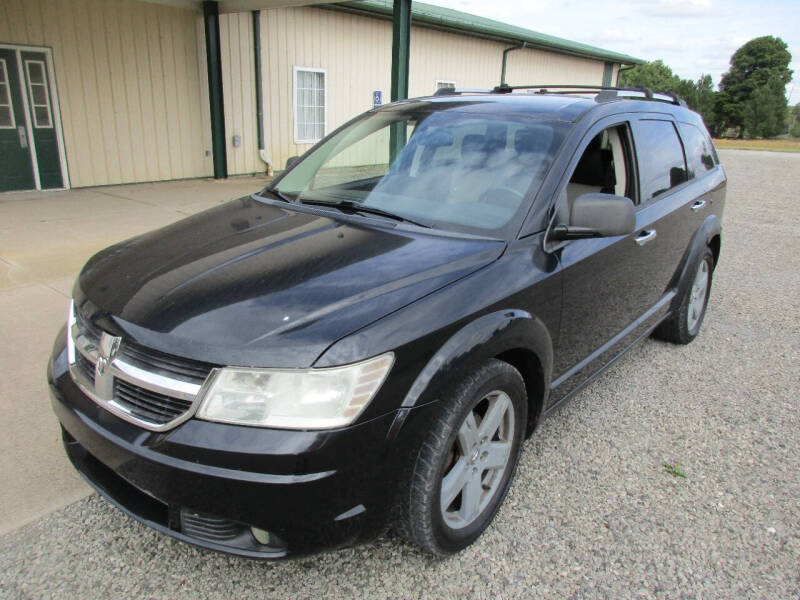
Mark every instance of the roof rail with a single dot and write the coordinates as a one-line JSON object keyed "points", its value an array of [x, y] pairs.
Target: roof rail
{"points": [[605, 93], [448, 91]]}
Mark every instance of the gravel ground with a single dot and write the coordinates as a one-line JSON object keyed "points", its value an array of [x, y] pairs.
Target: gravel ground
{"points": [[592, 512]]}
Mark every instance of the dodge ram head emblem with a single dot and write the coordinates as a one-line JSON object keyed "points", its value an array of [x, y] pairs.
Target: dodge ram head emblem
{"points": [[103, 382], [108, 350]]}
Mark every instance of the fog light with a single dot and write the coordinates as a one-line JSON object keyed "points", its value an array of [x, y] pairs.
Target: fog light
{"points": [[262, 537]]}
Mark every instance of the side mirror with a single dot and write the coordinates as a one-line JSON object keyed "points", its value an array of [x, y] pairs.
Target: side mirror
{"points": [[598, 215], [292, 161]]}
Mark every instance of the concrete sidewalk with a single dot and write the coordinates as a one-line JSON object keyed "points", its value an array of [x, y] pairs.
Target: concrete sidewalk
{"points": [[45, 238]]}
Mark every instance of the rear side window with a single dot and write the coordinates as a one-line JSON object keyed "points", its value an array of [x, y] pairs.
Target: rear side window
{"points": [[661, 159], [699, 151]]}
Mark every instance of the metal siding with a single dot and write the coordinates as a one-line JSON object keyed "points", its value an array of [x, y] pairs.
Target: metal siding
{"points": [[132, 89], [355, 51], [132, 78], [236, 54]]}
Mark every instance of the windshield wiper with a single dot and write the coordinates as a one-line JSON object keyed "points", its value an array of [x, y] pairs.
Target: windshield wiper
{"points": [[358, 207], [279, 194]]}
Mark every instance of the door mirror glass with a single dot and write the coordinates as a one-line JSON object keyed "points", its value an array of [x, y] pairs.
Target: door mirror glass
{"points": [[605, 215]]}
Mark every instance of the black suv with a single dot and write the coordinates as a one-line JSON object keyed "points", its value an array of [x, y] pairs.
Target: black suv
{"points": [[369, 340]]}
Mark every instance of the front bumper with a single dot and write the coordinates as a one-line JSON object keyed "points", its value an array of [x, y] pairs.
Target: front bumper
{"points": [[311, 490]]}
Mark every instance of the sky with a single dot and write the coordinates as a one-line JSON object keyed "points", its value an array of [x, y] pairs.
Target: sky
{"points": [[692, 36]]}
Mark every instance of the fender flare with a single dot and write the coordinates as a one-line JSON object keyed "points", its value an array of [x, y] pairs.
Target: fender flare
{"points": [[711, 227], [482, 339]]}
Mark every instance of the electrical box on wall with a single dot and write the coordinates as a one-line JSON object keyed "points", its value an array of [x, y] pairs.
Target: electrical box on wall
{"points": [[237, 141]]}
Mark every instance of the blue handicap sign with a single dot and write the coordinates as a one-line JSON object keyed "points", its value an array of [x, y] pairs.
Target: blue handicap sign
{"points": [[377, 98]]}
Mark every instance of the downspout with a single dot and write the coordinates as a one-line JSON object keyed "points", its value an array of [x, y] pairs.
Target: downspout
{"points": [[259, 95], [623, 67], [505, 59]]}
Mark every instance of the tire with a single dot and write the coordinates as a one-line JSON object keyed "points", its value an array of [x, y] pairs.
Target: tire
{"points": [[683, 325], [494, 388]]}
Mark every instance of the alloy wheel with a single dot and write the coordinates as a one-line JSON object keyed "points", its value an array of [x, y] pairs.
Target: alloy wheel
{"points": [[478, 460], [697, 296]]}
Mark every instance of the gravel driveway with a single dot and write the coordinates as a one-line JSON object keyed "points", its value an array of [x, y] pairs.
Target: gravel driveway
{"points": [[592, 513]]}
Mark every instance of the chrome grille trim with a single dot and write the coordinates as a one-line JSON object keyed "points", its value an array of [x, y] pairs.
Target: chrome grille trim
{"points": [[165, 364], [101, 389], [147, 405]]}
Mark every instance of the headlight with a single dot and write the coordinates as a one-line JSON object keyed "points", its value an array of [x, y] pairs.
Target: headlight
{"points": [[293, 398]]}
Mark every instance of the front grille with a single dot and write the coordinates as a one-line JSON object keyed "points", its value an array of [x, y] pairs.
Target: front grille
{"points": [[157, 395], [86, 366], [87, 328], [208, 527], [165, 364], [148, 405]]}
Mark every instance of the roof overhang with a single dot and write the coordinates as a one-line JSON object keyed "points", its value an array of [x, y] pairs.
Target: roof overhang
{"points": [[455, 21], [230, 6], [437, 17]]}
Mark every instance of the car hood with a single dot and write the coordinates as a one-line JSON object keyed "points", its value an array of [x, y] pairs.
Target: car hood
{"points": [[253, 283]]}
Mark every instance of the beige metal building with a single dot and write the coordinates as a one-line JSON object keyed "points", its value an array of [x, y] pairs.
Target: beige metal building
{"points": [[96, 92]]}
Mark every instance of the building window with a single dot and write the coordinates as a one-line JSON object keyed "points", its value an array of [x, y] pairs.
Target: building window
{"points": [[6, 108], [37, 90], [442, 84], [310, 104]]}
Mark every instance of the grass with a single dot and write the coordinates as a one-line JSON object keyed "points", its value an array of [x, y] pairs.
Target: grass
{"points": [[676, 470], [785, 145]]}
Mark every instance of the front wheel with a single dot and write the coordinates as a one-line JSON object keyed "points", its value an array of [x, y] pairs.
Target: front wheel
{"points": [[467, 461], [683, 325]]}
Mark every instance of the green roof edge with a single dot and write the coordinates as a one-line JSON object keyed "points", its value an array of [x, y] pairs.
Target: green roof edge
{"points": [[451, 19]]}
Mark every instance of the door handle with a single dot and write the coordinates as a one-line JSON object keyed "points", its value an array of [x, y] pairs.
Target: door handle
{"points": [[23, 137], [645, 236], [698, 205]]}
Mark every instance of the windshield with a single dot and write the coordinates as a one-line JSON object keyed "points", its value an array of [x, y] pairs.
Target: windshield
{"points": [[450, 169]]}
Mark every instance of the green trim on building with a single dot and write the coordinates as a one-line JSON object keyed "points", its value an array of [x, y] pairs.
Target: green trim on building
{"points": [[211, 19], [461, 22], [401, 42], [608, 73], [401, 45]]}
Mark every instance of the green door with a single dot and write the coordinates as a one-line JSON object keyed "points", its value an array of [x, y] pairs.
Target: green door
{"points": [[16, 166], [39, 96]]}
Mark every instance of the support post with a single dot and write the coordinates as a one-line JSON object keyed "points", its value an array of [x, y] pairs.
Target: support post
{"points": [[211, 19], [401, 42]]}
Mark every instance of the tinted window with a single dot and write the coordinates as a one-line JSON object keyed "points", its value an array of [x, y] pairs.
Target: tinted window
{"points": [[603, 167], [698, 150], [454, 169], [660, 156]]}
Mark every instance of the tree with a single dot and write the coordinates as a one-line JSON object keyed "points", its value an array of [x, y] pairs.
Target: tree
{"points": [[704, 104], [659, 77], [654, 75], [759, 68], [763, 112], [794, 121]]}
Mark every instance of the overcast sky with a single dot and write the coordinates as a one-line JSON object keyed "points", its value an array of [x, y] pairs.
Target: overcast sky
{"points": [[691, 36]]}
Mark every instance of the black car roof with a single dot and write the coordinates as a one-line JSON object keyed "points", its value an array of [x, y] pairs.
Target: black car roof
{"points": [[562, 107]]}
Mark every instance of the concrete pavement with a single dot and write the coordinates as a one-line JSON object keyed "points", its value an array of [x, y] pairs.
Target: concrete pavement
{"points": [[45, 238]]}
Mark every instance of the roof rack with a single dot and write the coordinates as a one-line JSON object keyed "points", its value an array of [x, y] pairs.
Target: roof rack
{"points": [[604, 93], [448, 91]]}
